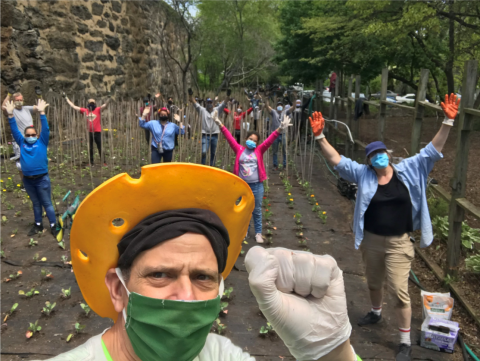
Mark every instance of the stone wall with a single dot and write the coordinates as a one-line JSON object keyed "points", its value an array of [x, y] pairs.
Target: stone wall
{"points": [[88, 48]]}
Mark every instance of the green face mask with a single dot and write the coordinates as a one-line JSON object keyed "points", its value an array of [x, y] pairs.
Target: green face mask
{"points": [[166, 330]]}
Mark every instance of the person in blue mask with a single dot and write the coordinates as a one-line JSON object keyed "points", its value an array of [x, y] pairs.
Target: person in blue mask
{"points": [[160, 275], [249, 164], [391, 203], [34, 162]]}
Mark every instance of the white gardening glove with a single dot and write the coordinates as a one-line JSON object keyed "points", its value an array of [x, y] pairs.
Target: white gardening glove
{"points": [[303, 296], [9, 106], [284, 124], [145, 113], [176, 117], [41, 105], [216, 119]]}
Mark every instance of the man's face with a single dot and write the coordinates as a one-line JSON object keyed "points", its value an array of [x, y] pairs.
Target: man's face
{"points": [[184, 268], [18, 102]]}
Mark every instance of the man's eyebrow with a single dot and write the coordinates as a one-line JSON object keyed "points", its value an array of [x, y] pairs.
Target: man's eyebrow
{"points": [[167, 269]]}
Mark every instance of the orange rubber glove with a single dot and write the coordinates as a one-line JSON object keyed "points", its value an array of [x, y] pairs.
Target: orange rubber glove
{"points": [[450, 108], [317, 123]]}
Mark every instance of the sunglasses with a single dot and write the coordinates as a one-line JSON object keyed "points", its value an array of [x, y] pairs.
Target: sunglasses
{"points": [[30, 135]]}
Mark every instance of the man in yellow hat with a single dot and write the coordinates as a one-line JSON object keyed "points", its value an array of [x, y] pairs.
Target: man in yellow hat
{"points": [[157, 268]]}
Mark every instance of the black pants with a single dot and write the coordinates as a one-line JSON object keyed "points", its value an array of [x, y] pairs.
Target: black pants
{"points": [[167, 155], [147, 135], [97, 137], [237, 136]]}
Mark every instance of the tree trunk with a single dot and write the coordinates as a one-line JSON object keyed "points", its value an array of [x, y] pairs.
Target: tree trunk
{"points": [[451, 53]]}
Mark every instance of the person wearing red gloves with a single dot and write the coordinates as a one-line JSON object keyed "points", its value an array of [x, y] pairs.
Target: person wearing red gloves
{"points": [[391, 203]]}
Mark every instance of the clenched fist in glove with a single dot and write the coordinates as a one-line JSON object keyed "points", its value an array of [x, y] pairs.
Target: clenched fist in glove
{"points": [[318, 123], [285, 123], [450, 108], [303, 296]]}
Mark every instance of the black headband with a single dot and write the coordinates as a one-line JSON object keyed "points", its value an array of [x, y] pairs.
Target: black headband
{"points": [[163, 226]]}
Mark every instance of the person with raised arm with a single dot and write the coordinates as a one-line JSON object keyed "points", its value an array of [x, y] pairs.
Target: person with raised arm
{"points": [[391, 203], [34, 161], [94, 117]]}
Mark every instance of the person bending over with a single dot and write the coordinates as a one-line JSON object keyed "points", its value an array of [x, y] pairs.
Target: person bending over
{"points": [[34, 161], [391, 203], [94, 117], [163, 135]]}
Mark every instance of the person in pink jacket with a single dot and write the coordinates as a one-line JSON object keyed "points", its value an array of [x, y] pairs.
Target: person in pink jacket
{"points": [[249, 165]]}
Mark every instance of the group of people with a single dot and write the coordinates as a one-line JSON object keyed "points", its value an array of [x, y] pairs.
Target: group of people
{"points": [[182, 253]]}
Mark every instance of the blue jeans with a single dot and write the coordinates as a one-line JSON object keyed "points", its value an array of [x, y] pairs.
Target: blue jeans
{"points": [[275, 151], [167, 155], [39, 190], [209, 141], [257, 190]]}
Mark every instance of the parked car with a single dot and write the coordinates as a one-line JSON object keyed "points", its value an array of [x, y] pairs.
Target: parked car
{"points": [[409, 98], [390, 94], [327, 96]]}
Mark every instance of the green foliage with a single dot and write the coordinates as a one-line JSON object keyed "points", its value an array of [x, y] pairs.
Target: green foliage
{"points": [[473, 263], [85, 308], [66, 293], [30, 293], [469, 235], [264, 330], [437, 206], [47, 310], [220, 326], [228, 292], [79, 327]]}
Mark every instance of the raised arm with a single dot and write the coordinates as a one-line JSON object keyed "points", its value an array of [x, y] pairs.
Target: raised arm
{"points": [[70, 103], [106, 104], [45, 133], [8, 108], [450, 109], [267, 104], [318, 123]]}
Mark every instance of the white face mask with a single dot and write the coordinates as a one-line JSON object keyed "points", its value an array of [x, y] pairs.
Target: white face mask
{"points": [[239, 110]]}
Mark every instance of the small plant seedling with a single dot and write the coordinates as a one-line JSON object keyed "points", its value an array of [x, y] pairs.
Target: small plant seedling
{"points": [[69, 337], [61, 244], [322, 216], [269, 240], [228, 292], [223, 307], [316, 208], [85, 308], [269, 224], [79, 327], [242, 252], [47, 310], [18, 214], [4, 220], [302, 242], [220, 326], [35, 258], [269, 232], [30, 293], [264, 330], [297, 216], [13, 276], [67, 293], [32, 329], [46, 274], [32, 243], [2, 253], [9, 313], [299, 234]]}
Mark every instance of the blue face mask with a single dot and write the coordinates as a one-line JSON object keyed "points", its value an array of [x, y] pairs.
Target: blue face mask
{"points": [[279, 108], [380, 160], [31, 140], [251, 144]]}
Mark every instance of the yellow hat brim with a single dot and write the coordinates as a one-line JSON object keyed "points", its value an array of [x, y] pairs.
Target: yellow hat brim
{"points": [[161, 187]]}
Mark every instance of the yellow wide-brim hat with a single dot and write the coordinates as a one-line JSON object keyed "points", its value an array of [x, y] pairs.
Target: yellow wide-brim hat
{"points": [[96, 230]]}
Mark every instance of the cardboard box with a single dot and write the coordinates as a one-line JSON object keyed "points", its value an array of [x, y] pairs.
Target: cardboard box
{"points": [[439, 334]]}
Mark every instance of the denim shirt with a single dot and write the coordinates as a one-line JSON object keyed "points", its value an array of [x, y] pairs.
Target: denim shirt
{"points": [[413, 172], [171, 129]]}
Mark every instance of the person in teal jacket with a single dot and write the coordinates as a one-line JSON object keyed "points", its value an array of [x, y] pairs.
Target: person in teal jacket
{"points": [[34, 162], [391, 203]]}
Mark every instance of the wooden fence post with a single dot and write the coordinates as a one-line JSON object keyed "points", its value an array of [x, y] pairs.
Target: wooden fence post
{"points": [[337, 94], [348, 146], [459, 179], [419, 110], [383, 106], [356, 123]]}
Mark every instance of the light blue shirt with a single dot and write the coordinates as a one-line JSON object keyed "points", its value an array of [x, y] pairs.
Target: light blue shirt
{"points": [[413, 172], [168, 140]]}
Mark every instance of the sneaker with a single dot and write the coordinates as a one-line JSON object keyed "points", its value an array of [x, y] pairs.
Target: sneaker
{"points": [[23, 189], [259, 238], [35, 229], [54, 231], [404, 352], [370, 319]]}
